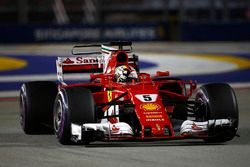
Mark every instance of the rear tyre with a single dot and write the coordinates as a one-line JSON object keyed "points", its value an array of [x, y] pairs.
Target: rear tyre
{"points": [[219, 102], [72, 105], [36, 106]]}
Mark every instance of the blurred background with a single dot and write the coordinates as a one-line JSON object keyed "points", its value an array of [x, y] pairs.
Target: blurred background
{"points": [[200, 40], [28, 21], [215, 32]]}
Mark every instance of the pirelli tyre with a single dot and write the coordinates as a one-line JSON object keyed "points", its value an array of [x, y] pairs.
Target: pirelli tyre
{"points": [[218, 101], [36, 106], [72, 105]]}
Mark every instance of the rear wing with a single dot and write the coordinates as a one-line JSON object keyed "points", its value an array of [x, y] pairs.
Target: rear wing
{"points": [[109, 47], [92, 58], [80, 64]]}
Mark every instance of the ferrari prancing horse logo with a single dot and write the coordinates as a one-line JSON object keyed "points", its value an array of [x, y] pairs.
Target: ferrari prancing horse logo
{"points": [[109, 95]]}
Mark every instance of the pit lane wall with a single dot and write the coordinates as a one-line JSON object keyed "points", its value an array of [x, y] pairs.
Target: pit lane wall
{"points": [[216, 31]]}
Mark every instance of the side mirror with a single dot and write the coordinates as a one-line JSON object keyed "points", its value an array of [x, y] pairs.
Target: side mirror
{"points": [[162, 73]]}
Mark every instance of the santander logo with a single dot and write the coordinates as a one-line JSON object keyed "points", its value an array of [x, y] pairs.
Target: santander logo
{"points": [[68, 61]]}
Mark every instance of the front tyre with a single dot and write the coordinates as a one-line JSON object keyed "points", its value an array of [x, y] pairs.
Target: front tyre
{"points": [[218, 102], [72, 105]]}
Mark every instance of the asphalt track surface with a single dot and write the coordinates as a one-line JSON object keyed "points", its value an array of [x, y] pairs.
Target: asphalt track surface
{"points": [[18, 149]]}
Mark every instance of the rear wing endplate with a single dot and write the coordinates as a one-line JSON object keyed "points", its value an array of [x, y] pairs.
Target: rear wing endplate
{"points": [[80, 64]]}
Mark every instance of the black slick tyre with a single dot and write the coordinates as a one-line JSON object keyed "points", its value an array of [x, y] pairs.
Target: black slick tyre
{"points": [[219, 102], [72, 105], [36, 106]]}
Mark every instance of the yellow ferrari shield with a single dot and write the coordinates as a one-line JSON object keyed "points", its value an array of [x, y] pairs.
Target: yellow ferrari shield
{"points": [[109, 95]]}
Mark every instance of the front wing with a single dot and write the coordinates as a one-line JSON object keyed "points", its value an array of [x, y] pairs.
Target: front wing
{"points": [[123, 131]]}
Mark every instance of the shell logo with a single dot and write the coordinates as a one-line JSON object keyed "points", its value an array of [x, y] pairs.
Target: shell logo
{"points": [[150, 106]]}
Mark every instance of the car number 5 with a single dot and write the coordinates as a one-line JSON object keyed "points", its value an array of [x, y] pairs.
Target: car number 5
{"points": [[147, 98]]}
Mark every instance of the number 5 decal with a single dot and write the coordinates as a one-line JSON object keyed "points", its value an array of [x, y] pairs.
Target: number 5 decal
{"points": [[146, 97]]}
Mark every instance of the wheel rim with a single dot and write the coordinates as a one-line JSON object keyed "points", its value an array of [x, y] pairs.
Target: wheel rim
{"points": [[201, 110], [22, 112], [58, 116]]}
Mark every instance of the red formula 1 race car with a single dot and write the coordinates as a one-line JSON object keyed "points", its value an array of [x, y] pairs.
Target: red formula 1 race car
{"points": [[121, 103]]}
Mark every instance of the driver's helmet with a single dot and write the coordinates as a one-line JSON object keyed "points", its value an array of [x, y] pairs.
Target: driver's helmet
{"points": [[124, 73]]}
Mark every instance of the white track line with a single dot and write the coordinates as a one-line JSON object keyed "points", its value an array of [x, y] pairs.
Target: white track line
{"points": [[9, 94], [42, 77]]}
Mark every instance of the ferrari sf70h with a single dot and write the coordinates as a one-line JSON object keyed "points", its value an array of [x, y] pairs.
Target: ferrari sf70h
{"points": [[118, 102]]}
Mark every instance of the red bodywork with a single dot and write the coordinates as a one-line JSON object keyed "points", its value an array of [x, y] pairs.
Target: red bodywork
{"points": [[152, 114]]}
